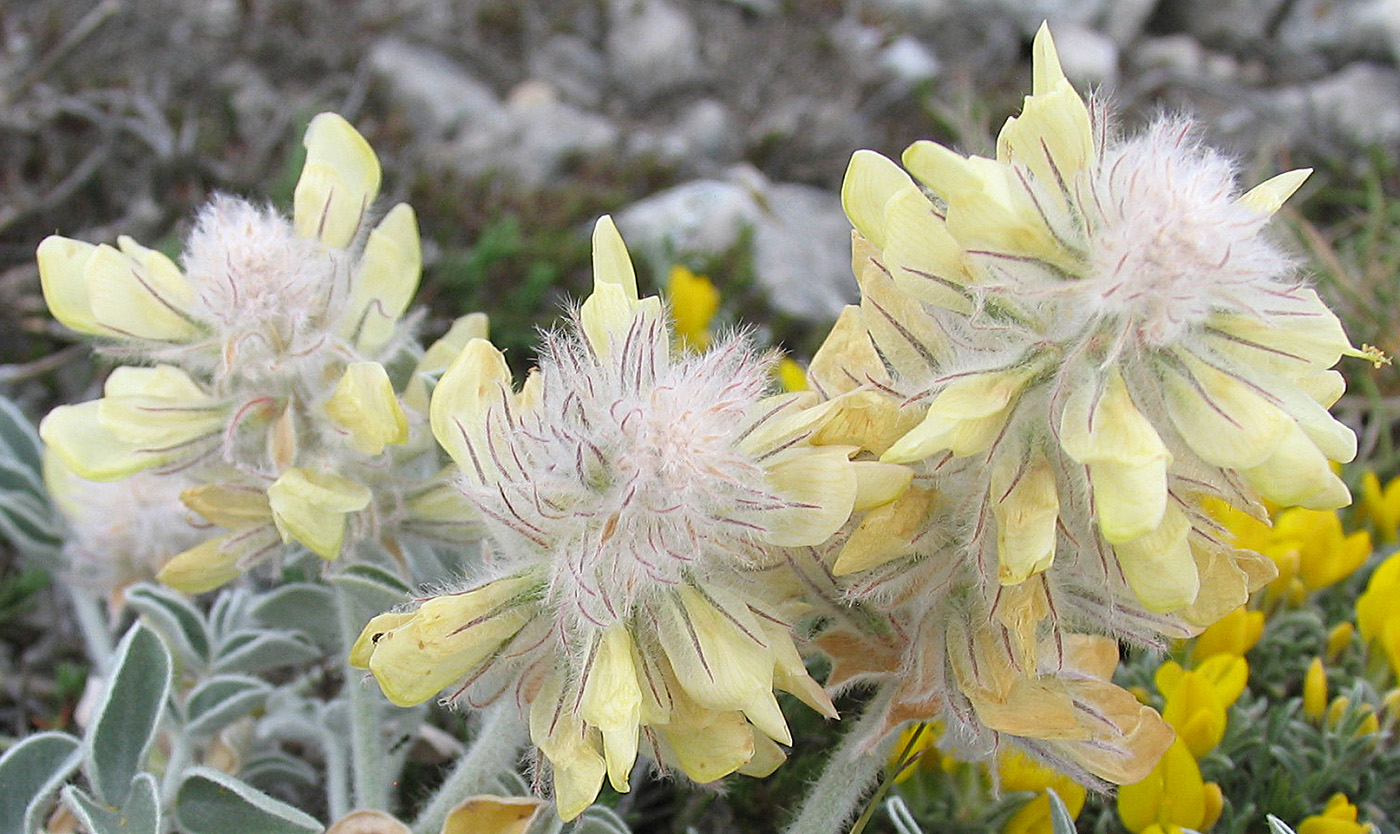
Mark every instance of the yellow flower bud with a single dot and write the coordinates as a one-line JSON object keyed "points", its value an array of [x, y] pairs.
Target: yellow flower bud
{"points": [[1315, 690]]}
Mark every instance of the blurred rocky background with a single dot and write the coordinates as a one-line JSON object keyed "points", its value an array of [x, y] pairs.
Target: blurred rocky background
{"points": [[716, 130]]}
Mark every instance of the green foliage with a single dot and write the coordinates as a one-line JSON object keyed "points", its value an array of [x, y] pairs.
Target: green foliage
{"points": [[210, 802]]}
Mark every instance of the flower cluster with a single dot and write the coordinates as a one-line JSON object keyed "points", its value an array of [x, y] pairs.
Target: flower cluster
{"points": [[1076, 345], [264, 381], [636, 499]]}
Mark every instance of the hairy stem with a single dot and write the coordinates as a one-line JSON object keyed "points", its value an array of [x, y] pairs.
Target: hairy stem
{"points": [[368, 756], [836, 795], [495, 751]]}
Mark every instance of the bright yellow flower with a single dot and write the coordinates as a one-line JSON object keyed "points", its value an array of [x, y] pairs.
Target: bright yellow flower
{"points": [[1315, 690], [1377, 617], [1197, 700], [1381, 506], [1325, 555], [1234, 634], [1338, 639], [1173, 796], [791, 375], [694, 302], [1339, 817], [1018, 772]]}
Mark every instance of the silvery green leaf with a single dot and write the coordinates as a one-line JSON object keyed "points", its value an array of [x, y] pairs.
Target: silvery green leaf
{"points": [[16, 476], [1060, 820], [901, 816], [373, 588], [303, 608], [30, 772], [211, 802], [174, 616], [140, 814], [277, 769], [1278, 826], [222, 699], [229, 613], [124, 723], [29, 524], [256, 651], [599, 819], [19, 441]]}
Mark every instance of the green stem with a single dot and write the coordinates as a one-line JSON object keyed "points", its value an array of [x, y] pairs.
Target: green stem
{"points": [[837, 793], [494, 751], [368, 755]]}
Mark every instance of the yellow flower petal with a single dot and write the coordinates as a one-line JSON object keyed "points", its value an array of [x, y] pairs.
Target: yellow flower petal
{"points": [[847, 359], [964, 418], [384, 285], [1269, 196], [364, 645], [877, 484], [229, 506], [439, 355], [820, 487], [491, 815], [1026, 507], [140, 293], [611, 263], [1159, 566], [364, 405], [63, 278], [76, 435], [923, 258], [337, 184], [720, 659], [1297, 474], [612, 702], [1221, 419], [887, 533], [1126, 457], [215, 562], [447, 637], [870, 181], [467, 403], [311, 507]]}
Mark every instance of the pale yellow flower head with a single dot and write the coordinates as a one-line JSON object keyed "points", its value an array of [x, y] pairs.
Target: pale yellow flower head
{"points": [[267, 383], [630, 491]]}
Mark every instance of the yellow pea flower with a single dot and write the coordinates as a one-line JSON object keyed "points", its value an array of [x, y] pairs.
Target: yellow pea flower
{"points": [[1018, 772], [1381, 506], [1315, 690], [1173, 795], [694, 302], [1325, 554], [1339, 817], [1234, 634]]}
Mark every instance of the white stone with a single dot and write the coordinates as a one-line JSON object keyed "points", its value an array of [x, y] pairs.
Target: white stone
{"points": [[907, 61], [652, 47], [800, 236], [572, 67], [437, 94], [1360, 104], [1088, 57], [1344, 28]]}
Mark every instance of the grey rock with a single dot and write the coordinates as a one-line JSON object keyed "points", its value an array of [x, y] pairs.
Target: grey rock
{"points": [[802, 252], [800, 236], [1223, 22], [1123, 20], [703, 136], [907, 61], [571, 66], [436, 93], [1088, 57], [1358, 106], [1183, 57], [653, 47], [1342, 29], [533, 141]]}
